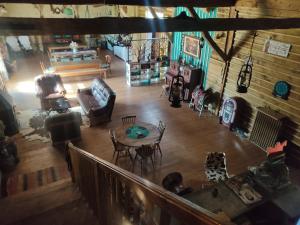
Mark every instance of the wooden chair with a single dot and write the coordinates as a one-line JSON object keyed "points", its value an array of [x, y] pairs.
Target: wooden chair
{"points": [[120, 149], [128, 120], [143, 153], [107, 63], [43, 67], [161, 128], [165, 89], [215, 166]]}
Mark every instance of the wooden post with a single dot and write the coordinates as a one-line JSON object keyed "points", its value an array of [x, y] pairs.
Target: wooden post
{"points": [[165, 218], [228, 49]]}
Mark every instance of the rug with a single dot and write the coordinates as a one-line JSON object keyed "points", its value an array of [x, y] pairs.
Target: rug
{"points": [[32, 122], [24, 182], [32, 125]]}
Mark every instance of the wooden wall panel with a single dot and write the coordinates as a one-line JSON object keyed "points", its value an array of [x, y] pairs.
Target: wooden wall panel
{"points": [[267, 68]]}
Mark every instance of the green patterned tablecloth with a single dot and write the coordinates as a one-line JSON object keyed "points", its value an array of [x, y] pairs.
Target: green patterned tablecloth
{"points": [[137, 132]]}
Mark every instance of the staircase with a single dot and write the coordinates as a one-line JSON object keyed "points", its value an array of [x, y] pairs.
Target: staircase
{"points": [[100, 190], [56, 202], [59, 203]]}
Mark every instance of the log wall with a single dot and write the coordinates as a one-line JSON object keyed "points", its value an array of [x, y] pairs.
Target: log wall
{"points": [[267, 68]]}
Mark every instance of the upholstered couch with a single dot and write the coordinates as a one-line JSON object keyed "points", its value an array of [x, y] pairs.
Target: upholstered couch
{"points": [[64, 127], [49, 87], [97, 101]]}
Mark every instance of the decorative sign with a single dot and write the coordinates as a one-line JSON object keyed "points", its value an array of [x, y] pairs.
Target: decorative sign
{"points": [[277, 48], [282, 89]]}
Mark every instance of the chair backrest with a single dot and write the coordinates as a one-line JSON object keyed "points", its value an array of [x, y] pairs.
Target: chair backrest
{"points": [[117, 145], [128, 119], [108, 59], [145, 151], [42, 67], [161, 128], [215, 166], [49, 84], [113, 138]]}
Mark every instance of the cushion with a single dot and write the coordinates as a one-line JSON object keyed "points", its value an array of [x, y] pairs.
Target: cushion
{"points": [[87, 102]]}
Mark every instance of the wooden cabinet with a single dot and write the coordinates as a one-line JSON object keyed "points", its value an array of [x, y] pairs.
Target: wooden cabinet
{"points": [[144, 73], [192, 77]]}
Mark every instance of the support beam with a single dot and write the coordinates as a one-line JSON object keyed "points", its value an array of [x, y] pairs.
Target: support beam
{"points": [[208, 38], [161, 3], [154, 14], [113, 25], [215, 46]]}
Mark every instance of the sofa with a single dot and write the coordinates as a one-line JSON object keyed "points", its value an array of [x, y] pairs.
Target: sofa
{"points": [[64, 127], [97, 101], [49, 87]]}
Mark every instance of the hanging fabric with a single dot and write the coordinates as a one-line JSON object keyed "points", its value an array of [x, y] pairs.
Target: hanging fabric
{"points": [[245, 75]]}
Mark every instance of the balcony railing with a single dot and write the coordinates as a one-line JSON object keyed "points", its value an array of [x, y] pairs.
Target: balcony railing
{"points": [[119, 197]]}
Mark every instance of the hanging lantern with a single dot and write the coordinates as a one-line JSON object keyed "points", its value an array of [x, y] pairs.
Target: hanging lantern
{"points": [[245, 76], [176, 95]]}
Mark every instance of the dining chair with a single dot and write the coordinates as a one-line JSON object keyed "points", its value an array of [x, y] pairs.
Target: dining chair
{"points": [[128, 119], [107, 63], [142, 154], [43, 67], [119, 149], [215, 166], [161, 128]]}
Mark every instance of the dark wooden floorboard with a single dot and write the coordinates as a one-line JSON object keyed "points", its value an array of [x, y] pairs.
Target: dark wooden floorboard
{"points": [[187, 140]]}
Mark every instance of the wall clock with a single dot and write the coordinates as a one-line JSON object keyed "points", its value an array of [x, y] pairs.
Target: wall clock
{"points": [[282, 89]]}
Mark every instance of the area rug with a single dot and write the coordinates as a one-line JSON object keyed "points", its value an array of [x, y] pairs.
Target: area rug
{"points": [[24, 182], [32, 122]]}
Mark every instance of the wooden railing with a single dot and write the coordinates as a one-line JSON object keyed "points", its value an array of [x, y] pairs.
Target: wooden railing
{"points": [[119, 197]]}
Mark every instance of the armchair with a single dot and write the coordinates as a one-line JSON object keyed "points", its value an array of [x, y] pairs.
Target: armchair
{"points": [[49, 87]]}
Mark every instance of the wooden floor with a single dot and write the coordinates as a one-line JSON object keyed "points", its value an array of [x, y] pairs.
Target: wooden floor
{"points": [[185, 144]]}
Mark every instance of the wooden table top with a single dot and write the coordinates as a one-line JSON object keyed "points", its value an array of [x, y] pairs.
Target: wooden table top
{"points": [[72, 54], [152, 137], [53, 48]]}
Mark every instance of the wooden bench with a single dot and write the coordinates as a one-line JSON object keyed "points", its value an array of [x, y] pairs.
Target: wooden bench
{"points": [[79, 69]]}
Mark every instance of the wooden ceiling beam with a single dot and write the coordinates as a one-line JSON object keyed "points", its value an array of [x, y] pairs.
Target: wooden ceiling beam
{"points": [[114, 25], [161, 3], [208, 38]]}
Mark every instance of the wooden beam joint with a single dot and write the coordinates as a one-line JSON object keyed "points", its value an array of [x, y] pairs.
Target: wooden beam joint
{"points": [[161, 3], [208, 37], [113, 25]]}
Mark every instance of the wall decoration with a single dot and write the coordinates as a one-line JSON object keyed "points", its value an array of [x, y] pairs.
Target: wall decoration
{"points": [[3, 10], [191, 46], [203, 61], [282, 89], [228, 112], [277, 48], [245, 75]]}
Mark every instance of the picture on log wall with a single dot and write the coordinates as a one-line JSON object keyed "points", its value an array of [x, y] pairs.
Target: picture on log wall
{"points": [[191, 46]]}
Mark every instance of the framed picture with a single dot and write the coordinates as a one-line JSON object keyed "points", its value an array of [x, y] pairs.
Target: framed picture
{"points": [[191, 46]]}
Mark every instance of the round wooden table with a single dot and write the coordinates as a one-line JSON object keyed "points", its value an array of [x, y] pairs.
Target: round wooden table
{"points": [[151, 138]]}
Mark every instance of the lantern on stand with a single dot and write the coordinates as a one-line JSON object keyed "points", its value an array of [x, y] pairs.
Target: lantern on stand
{"points": [[245, 75], [176, 91]]}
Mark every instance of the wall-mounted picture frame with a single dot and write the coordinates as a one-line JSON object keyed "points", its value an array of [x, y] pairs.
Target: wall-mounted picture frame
{"points": [[191, 46]]}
